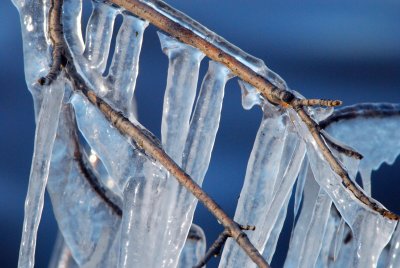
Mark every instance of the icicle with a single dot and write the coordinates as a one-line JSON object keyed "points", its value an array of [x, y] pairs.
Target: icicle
{"points": [[371, 230], [291, 161], [98, 35], [44, 138], [37, 57], [372, 129], [299, 234], [339, 239], [88, 223], [270, 247], [326, 254], [393, 258], [194, 249], [197, 154], [142, 203], [300, 186], [72, 28], [262, 172], [125, 64], [183, 71], [312, 243]]}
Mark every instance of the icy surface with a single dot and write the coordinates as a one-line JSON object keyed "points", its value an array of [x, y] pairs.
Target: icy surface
{"points": [[375, 137], [46, 128], [194, 249]]}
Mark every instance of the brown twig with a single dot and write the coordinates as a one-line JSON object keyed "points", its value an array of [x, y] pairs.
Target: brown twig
{"points": [[365, 110], [146, 141], [216, 247], [58, 44], [316, 102], [214, 250], [269, 91]]}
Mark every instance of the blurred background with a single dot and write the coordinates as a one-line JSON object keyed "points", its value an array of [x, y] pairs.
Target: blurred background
{"points": [[348, 50]]}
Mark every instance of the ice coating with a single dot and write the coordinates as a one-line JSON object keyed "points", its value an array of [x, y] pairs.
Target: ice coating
{"points": [[253, 63], [250, 95], [37, 56], [371, 230], [262, 173], [393, 257], [88, 225], [46, 128], [375, 137], [118, 155], [196, 156], [125, 64], [194, 249]]}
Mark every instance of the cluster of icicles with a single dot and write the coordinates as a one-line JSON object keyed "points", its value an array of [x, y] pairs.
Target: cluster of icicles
{"points": [[151, 215]]}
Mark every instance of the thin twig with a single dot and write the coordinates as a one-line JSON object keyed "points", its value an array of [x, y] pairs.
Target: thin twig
{"points": [[148, 143], [316, 102], [214, 250], [340, 147], [364, 110], [216, 247], [57, 42], [269, 91]]}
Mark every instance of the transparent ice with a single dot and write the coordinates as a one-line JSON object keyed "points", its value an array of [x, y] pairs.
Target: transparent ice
{"points": [[115, 207]]}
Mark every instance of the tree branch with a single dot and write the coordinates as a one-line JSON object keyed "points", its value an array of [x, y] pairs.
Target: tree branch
{"points": [[142, 137], [160, 16]]}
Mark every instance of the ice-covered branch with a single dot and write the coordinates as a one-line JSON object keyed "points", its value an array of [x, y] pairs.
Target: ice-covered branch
{"points": [[248, 69], [142, 138]]}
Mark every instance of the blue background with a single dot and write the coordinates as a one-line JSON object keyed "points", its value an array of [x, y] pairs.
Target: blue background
{"points": [[348, 50]]}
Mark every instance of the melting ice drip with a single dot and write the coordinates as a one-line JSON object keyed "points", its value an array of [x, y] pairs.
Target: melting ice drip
{"points": [[140, 216]]}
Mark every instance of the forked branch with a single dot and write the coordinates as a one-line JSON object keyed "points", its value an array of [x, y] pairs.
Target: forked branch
{"points": [[182, 28], [142, 137]]}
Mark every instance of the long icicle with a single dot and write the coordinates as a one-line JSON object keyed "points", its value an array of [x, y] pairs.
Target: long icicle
{"points": [[44, 139]]}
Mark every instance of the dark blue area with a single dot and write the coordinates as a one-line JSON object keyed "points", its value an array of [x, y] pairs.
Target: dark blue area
{"points": [[348, 50]]}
